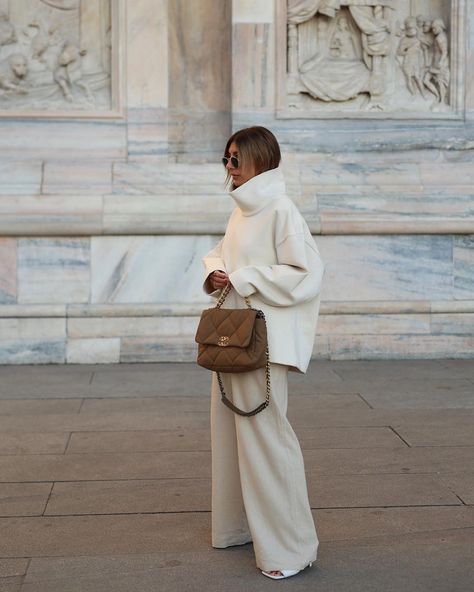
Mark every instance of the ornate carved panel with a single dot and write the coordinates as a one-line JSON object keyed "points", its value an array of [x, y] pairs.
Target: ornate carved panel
{"points": [[56, 57], [366, 58]]}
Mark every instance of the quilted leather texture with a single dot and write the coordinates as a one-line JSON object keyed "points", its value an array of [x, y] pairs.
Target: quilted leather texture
{"points": [[246, 349], [234, 324]]}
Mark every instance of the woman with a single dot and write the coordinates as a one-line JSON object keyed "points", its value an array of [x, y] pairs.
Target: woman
{"points": [[259, 489]]}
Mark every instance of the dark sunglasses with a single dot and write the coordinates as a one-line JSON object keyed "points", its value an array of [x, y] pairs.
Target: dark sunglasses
{"points": [[234, 161]]}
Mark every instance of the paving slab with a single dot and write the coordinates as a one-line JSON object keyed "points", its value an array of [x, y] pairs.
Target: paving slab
{"points": [[23, 499], [33, 442], [130, 496], [13, 567], [462, 484], [349, 491], [140, 441], [428, 435], [12, 584], [412, 394], [390, 460], [44, 381], [39, 406], [97, 466]]}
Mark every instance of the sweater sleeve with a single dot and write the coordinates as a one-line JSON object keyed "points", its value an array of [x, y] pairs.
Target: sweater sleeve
{"points": [[297, 275], [212, 262]]}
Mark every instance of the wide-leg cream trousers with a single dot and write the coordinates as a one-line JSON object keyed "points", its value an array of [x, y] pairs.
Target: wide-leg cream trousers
{"points": [[259, 490]]}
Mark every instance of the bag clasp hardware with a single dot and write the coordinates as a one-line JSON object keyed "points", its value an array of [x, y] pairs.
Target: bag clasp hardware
{"points": [[223, 341]]}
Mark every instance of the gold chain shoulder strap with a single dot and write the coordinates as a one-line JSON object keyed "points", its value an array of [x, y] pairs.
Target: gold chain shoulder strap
{"points": [[224, 398]]}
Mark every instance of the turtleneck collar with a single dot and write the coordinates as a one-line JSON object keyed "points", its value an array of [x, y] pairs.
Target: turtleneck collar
{"points": [[259, 191]]}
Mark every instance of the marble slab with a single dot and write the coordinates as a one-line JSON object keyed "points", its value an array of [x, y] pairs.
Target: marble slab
{"points": [[81, 177], [148, 269], [93, 351], [254, 44], [27, 351], [463, 261], [416, 267], [377, 324], [81, 328], [18, 178], [147, 44], [148, 134], [364, 347], [141, 177], [8, 265], [46, 215], [252, 11], [59, 140], [17, 329], [53, 270], [166, 214]]}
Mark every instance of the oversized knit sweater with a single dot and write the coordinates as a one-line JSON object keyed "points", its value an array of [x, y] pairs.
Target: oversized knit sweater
{"points": [[270, 256]]}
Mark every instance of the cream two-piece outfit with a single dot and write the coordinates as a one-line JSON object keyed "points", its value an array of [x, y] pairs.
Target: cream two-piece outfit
{"points": [[259, 490]]}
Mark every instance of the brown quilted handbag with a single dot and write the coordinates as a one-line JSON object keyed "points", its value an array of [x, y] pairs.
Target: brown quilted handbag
{"points": [[233, 340]]}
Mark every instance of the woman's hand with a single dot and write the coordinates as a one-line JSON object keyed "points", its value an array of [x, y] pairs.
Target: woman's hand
{"points": [[218, 279]]}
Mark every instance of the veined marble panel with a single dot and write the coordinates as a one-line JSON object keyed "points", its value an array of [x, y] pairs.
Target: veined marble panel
{"points": [[20, 177], [253, 11], [32, 329], [404, 214], [148, 269], [442, 174], [131, 327], [150, 349], [93, 351], [162, 214], [463, 261], [63, 140], [377, 324], [77, 177], [138, 177], [148, 133], [32, 352], [147, 53], [8, 262], [357, 173], [50, 215], [460, 324], [387, 267], [380, 347], [53, 270], [254, 44]]}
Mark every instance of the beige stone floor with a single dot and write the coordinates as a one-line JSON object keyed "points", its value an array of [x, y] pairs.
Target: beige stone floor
{"points": [[105, 479]]}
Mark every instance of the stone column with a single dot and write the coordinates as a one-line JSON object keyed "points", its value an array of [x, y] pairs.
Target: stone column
{"points": [[200, 33]]}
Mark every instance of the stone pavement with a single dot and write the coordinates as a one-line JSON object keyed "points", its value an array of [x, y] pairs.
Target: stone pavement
{"points": [[105, 479]]}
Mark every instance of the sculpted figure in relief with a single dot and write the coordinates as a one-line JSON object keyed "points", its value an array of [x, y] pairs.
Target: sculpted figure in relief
{"points": [[342, 43], [69, 72], [437, 77], [13, 71], [7, 30], [411, 51], [346, 52]]}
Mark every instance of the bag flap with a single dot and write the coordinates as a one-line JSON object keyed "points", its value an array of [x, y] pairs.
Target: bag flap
{"points": [[226, 327]]}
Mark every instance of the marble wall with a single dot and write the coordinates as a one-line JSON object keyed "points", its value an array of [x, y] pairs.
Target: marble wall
{"points": [[104, 218]]}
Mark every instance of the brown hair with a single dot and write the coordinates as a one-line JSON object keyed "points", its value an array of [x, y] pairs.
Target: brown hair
{"points": [[256, 145]]}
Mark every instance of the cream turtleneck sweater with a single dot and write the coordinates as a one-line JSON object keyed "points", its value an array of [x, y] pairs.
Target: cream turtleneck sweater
{"points": [[270, 256]]}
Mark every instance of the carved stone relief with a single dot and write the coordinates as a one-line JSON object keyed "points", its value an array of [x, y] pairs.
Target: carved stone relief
{"points": [[55, 55], [367, 55]]}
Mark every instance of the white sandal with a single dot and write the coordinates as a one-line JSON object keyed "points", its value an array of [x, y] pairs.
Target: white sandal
{"points": [[286, 573]]}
